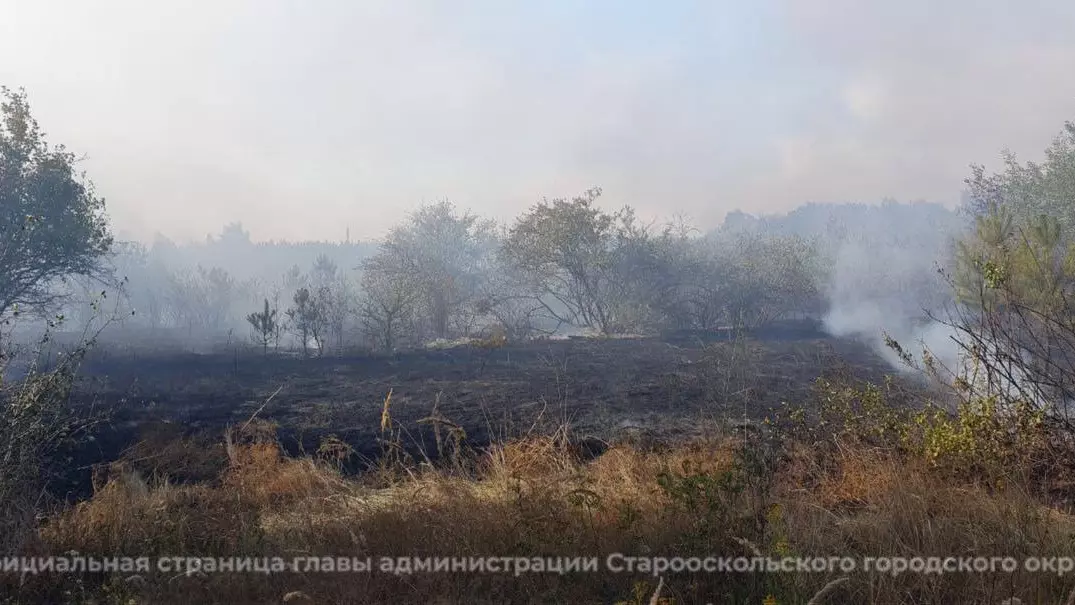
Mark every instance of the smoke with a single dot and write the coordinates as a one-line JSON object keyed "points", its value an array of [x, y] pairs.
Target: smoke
{"points": [[871, 321], [888, 279]]}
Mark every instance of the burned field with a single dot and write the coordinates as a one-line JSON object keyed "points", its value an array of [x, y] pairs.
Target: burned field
{"points": [[604, 390]]}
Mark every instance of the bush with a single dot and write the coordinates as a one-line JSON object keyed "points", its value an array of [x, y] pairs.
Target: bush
{"points": [[977, 439], [36, 421]]}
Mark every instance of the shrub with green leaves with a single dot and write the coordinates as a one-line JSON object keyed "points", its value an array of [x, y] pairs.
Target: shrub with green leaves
{"points": [[36, 421], [977, 436]]}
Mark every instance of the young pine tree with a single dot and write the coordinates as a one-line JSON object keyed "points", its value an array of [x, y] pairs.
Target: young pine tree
{"points": [[264, 324]]}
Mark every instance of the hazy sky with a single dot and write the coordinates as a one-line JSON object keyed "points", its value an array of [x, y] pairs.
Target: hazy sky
{"points": [[304, 117]]}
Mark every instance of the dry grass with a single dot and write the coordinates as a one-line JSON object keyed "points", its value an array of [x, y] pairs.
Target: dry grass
{"points": [[537, 496], [871, 502]]}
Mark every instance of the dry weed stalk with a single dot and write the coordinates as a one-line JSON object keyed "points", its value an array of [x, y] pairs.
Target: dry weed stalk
{"points": [[386, 416], [828, 589], [656, 598]]}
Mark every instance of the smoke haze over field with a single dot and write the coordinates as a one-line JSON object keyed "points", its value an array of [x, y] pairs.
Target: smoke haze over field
{"points": [[884, 266], [888, 280], [301, 119]]}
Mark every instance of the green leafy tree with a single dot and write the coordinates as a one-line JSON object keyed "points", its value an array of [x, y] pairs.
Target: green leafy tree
{"points": [[52, 225], [1015, 281], [1030, 190], [580, 261]]}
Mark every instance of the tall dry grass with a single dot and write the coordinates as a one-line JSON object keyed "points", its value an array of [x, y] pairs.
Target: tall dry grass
{"points": [[724, 496]]}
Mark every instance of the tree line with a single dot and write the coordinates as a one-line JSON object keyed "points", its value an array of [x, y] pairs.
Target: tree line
{"points": [[565, 264]]}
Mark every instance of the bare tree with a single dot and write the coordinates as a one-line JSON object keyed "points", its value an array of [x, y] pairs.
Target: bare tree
{"points": [[388, 303], [202, 299], [505, 301], [335, 296]]}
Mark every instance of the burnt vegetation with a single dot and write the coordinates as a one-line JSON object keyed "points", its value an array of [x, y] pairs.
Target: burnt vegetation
{"points": [[852, 379]]}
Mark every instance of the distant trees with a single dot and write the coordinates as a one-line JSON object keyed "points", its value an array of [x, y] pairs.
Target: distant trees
{"points": [[52, 225], [307, 320], [335, 296], [317, 307], [693, 285], [233, 251], [577, 260], [447, 273], [201, 300], [389, 302], [1030, 190], [506, 302], [771, 277], [145, 292], [441, 256], [590, 267], [741, 279]]}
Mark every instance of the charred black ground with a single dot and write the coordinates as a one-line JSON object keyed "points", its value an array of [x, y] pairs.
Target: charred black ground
{"points": [[604, 389]]}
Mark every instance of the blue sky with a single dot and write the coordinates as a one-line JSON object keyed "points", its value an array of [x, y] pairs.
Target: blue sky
{"points": [[303, 118]]}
